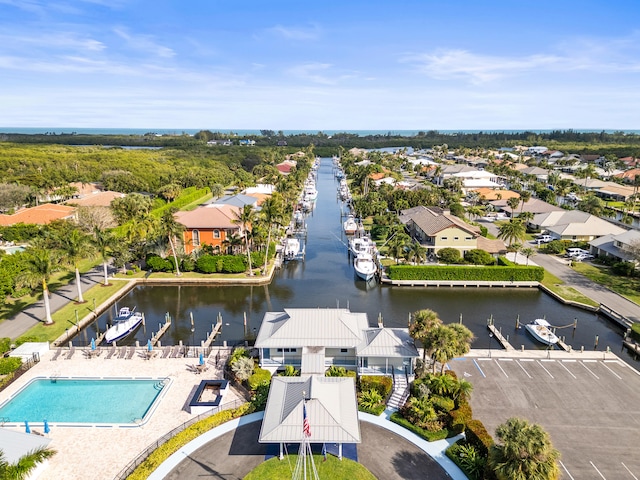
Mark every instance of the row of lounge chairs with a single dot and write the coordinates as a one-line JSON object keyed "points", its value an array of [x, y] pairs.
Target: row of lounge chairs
{"points": [[126, 352]]}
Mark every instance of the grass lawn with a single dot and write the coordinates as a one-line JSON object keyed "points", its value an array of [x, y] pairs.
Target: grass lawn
{"points": [[628, 287], [345, 469], [557, 286], [66, 316]]}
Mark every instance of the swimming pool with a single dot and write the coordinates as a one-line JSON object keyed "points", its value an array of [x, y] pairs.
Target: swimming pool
{"points": [[85, 401]]}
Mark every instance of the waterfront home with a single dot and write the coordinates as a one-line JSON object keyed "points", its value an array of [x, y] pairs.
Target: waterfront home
{"points": [[40, 215], [314, 339], [239, 200], [211, 224], [533, 205], [435, 229]]}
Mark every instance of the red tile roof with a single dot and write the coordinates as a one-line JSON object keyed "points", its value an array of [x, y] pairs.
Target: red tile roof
{"points": [[40, 215]]}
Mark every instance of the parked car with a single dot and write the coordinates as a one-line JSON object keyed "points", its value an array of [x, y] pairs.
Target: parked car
{"points": [[544, 238], [574, 252], [581, 257]]}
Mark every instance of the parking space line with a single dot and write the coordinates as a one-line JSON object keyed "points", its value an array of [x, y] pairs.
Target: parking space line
{"points": [[518, 362], [479, 369], [593, 465], [618, 376], [543, 367], [630, 473], [565, 469], [502, 370], [588, 370], [569, 371]]}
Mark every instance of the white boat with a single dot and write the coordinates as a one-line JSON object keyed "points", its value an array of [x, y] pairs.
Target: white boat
{"points": [[310, 193], [125, 323], [361, 244], [365, 266], [293, 248], [350, 225], [540, 329]]}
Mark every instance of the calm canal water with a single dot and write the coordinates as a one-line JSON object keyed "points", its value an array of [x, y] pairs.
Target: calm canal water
{"points": [[326, 279]]}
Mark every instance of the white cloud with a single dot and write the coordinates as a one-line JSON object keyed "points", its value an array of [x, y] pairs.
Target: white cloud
{"points": [[296, 33], [144, 43], [313, 72]]}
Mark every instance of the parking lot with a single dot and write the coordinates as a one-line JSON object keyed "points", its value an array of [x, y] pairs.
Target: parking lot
{"points": [[588, 402]]}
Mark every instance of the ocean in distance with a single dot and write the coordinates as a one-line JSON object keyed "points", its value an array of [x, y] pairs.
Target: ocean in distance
{"points": [[192, 131]]}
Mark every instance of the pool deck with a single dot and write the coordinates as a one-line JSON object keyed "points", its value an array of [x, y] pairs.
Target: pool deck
{"points": [[102, 452]]}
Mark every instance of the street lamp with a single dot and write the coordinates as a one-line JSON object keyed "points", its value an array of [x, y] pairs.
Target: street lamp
{"points": [[490, 337]]}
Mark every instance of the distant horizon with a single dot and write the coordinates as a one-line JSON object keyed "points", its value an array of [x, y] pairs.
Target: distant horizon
{"points": [[251, 131]]}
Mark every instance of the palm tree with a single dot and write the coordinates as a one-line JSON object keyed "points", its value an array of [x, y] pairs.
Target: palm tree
{"points": [[170, 229], [512, 231], [76, 246], [513, 203], [103, 241], [246, 217], [420, 326], [528, 252], [232, 242], [525, 452], [41, 263], [25, 464], [272, 213], [416, 253], [525, 195]]}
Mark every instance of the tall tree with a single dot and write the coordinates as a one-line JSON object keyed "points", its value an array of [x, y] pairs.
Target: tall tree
{"points": [[245, 218], [512, 231], [422, 323], [41, 263], [271, 212], [513, 203], [170, 229], [104, 242], [523, 452], [525, 196], [76, 246]]}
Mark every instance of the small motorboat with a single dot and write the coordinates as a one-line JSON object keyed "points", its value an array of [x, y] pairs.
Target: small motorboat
{"points": [[125, 323], [365, 266], [293, 249], [540, 329], [350, 225]]}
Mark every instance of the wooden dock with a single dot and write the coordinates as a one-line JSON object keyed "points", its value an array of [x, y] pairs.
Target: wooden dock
{"points": [[215, 330], [502, 341], [155, 338]]}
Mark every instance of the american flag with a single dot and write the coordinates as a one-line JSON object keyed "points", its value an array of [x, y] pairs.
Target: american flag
{"points": [[306, 429]]}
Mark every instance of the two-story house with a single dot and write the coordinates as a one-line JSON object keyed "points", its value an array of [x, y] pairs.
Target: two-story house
{"points": [[435, 229], [211, 224]]}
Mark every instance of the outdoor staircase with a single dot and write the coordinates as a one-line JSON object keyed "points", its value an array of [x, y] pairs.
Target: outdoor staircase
{"points": [[400, 393]]}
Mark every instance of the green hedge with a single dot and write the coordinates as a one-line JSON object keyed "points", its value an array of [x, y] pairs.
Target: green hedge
{"points": [[421, 432], [221, 264], [9, 364], [476, 434], [464, 273], [188, 196], [382, 384], [5, 344]]}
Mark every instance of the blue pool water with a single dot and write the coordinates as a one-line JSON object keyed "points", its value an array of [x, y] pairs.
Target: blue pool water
{"points": [[93, 401]]}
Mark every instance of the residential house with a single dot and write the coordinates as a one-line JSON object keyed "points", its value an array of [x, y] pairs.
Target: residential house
{"points": [[436, 229], [285, 167], [95, 199], [211, 224], [573, 225], [491, 194], [226, 143], [238, 200], [617, 246], [533, 205], [40, 215], [247, 143], [314, 339]]}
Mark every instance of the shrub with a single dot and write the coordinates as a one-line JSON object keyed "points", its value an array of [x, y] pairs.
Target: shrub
{"points": [[260, 396], [468, 458], [443, 404], [625, 269], [9, 364], [335, 371], [257, 259], [28, 338], [188, 265], [207, 264], [478, 436], [427, 435], [516, 273], [449, 255], [554, 247], [233, 263], [479, 257], [369, 399], [236, 354], [259, 377], [5, 344], [159, 264], [460, 417], [382, 384]]}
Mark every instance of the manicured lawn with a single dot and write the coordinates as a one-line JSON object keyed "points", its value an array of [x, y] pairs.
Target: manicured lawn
{"points": [[628, 287], [557, 286], [345, 469]]}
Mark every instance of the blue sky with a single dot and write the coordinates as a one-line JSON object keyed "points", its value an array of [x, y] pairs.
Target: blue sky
{"points": [[329, 65]]}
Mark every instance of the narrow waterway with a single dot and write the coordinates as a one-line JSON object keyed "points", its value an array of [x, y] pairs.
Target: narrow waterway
{"points": [[326, 279]]}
